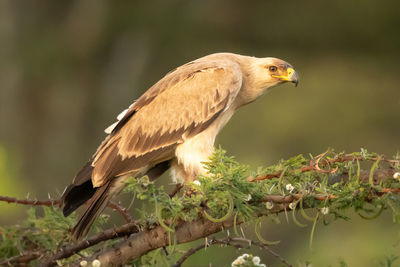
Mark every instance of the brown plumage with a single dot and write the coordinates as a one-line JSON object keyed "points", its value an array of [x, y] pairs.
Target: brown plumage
{"points": [[173, 124]]}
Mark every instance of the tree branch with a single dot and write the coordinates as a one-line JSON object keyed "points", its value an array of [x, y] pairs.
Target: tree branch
{"points": [[142, 242], [50, 202], [122, 210], [315, 164], [192, 251], [55, 202]]}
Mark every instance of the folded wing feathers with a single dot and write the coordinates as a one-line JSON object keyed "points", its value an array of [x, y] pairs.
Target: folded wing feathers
{"points": [[183, 103]]}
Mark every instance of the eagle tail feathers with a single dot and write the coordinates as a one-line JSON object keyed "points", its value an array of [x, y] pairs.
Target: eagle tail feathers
{"points": [[97, 204]]}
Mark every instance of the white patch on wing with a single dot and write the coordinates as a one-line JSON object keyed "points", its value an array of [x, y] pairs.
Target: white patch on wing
{"points": [[110, 128], [122, 114]]}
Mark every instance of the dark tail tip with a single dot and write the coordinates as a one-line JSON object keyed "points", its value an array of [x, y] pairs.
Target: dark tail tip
{"points": [[96, 205], [76, 195]]}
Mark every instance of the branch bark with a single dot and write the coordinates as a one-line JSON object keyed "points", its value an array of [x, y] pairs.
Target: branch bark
{"points": [[140, 243]]}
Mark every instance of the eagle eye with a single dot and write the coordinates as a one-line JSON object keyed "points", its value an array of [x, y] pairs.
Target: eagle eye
{"points": [[273, 68]]}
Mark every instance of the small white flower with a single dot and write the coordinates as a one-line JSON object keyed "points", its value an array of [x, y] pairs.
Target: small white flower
{"points": [[396, 175], [145, 181], [248, 198], [96, 263], [83, 263], [292, 206], [238, 261], [262, 265], [269, 205], [197, 182], [325, 210], [289, 187], [256, 260]]}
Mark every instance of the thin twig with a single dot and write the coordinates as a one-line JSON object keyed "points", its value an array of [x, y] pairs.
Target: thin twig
{"points": [[55, 202], [316, 166], [22, 260], [122, 210], [263, 246], [178, 187], [50, 202], [190, 252], [293, 197], [235, 242]]}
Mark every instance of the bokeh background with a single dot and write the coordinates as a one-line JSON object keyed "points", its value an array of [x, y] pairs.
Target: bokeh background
{"points": [[67, 68]]}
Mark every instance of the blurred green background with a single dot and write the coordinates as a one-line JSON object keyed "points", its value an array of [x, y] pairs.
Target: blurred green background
{"points": [[67, 68]]}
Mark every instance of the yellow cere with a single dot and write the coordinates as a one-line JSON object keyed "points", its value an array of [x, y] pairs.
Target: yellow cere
{"points": [[289, 71]]}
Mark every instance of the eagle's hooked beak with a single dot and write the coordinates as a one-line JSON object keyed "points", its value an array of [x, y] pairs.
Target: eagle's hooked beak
{"points": [[291, 76]]}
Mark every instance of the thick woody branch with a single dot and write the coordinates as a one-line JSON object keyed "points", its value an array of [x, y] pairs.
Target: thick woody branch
{"points": [[141, 243]]}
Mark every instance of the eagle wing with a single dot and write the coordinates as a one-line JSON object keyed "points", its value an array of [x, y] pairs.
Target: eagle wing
{"points": [[182, 104]]}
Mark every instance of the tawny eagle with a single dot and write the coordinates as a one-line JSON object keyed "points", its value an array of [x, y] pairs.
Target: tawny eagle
{"points": [[172, 125]]}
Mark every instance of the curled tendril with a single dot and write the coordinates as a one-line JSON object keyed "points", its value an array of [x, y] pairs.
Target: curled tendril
{"points": [[374, 216], [257, 226], [373, 168], [350, 173], [303, 213], [235, 224], [295, 219], [358, 171], [280, 179], [316, 166], [226, 216], [173, 246], [313, 229]]}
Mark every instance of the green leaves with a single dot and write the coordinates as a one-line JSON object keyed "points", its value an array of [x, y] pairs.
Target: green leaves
{"points": [[37, 233]]}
